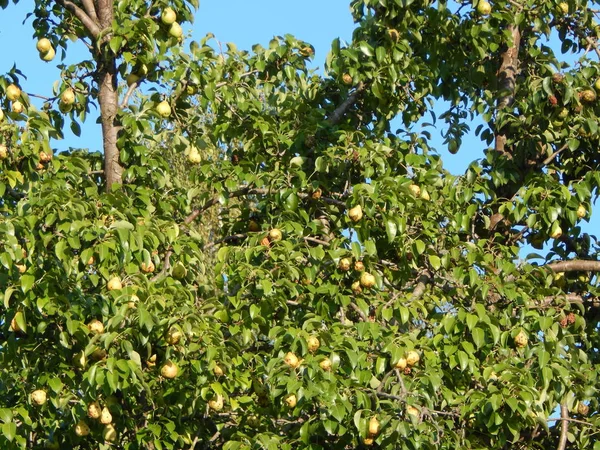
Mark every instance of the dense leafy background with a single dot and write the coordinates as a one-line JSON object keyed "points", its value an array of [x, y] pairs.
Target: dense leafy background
{"points": [[502, 340]]}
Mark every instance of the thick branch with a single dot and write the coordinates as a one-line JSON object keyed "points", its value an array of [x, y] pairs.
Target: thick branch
{"points": [[339, 112], [90, 9], [507, 79], [575, 266], [86, 20], [564, 427]]}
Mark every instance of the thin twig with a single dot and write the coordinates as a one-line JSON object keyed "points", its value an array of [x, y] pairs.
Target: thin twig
{"points": [[549, 159], [166, 266], [128, 94], [564, 427]]}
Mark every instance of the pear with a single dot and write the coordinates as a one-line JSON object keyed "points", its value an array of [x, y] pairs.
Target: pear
{"points": [[169, 370], [275, 234], [109, 433], [374, 426], [291, 401], [355, 214], [13, 92], [216, 404], [38, 397], [412, 358], [43, 45], [313, 344], [114, 284], [194, 156], [367, 280], [176, 31], [96, 327], [291, 360], [325, 364], [105, 416], [163, 109], [94, 411], [168, 16], [82, 429]]}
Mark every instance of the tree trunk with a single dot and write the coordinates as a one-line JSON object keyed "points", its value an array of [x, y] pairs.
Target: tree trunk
{"points": [[507, 80], [108, 97], [109, 107]]}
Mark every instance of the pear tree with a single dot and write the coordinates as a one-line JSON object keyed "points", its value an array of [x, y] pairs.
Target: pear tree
{"points": [[259, 255]]}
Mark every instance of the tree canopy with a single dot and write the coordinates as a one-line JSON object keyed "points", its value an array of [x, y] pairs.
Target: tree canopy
{"points": [[261, 255]]}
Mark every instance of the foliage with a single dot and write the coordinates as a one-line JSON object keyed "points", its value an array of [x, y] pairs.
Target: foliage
{"points": [[282, 340]]}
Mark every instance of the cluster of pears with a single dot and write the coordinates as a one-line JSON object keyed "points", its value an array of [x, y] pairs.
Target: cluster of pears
{"points": [[13, 93], [103, 415], [46, 50], [169, 17]]}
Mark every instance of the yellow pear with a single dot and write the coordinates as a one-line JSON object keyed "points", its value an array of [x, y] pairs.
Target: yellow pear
{"points": [[94, 411], [96, 327], [173, 336], [325, 364], [105, 416], [401, 364], [581, 211], [374, 426], [521, 339], [216, 404], [38, 397], [218, 371], [43, 45], [169, 370], [415, 190], [344, 264], [168, 16], [176, 31], [484, 8], [313, 344], [291, 400], [194, 156], [355, 214], [412, 358], [17, 107], [49, 55], [291, 360], [367, 280], [109, 433], [68, 96], [163, 109], [82, 429], [275, 234], [114, 284], [13, 92]]}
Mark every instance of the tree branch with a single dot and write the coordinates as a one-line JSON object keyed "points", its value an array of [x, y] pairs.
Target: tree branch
{"points": [[339, 112], [564, 427], [575, 265], [90, 9], [86, 20], [250, 191], [128, 94], [166, 266]]}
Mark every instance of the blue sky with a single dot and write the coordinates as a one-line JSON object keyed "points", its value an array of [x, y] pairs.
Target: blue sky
{"points": [[240, 21]]}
